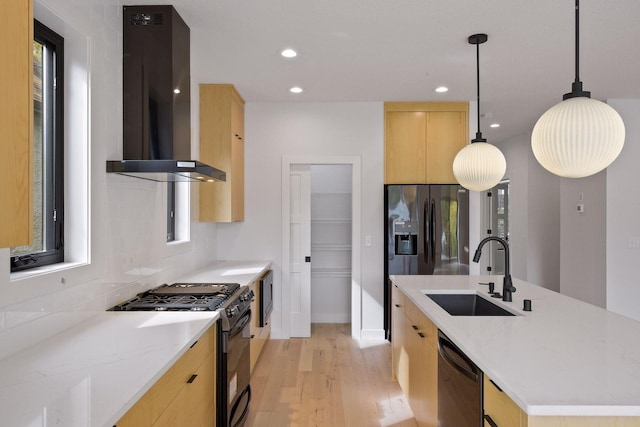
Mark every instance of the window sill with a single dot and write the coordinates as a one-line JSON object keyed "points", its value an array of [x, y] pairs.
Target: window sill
{"points": [[177, 247], [47, 269]]}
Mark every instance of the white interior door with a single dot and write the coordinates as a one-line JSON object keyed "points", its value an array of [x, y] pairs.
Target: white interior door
{"points": [[300, 250]]}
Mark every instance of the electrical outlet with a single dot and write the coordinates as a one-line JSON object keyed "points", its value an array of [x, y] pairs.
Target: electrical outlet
{"points": [[580, 208], [634, 242]]}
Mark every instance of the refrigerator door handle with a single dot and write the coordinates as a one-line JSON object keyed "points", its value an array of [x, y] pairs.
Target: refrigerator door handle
{"points": [[432, 236], [425, 233]]}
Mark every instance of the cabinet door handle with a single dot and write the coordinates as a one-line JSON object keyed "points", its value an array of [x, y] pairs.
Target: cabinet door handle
{"points": [[194, 344], [421, 334], [415, 328], [489, 420], [252, 336], [192, 379], [397, 305]]}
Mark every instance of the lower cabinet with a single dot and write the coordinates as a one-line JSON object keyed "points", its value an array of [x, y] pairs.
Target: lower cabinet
{"points": [[259, 334], [415, 358], [499, 409], [184, 395]]}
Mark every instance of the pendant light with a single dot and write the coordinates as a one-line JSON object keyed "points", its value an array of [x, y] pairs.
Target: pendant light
{"points": [[579, 136], [479, 166]]}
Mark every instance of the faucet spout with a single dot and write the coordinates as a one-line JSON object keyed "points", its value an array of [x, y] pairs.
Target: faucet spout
{"points": [[507, 283]]}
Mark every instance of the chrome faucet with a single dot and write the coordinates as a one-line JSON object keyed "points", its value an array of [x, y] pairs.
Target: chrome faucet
{"points": [[507, 285]]}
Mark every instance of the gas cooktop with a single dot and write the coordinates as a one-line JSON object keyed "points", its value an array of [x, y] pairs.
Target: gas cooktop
{"points": [[181, 297]]}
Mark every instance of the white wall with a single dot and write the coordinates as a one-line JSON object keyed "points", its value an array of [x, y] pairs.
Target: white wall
{"points": [[582, 239], [126, 251], [274, 130], [534, 219], [623, 217]]}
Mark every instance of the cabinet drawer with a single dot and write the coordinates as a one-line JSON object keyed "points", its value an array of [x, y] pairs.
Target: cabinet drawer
{"points": [[422, 322], [168, 386], [168, 401], [502, 410], [397, 297]]}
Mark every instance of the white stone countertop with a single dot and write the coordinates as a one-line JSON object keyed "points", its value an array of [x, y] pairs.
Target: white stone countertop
{"points": [[242, 272], [563, 358], [93, 373]]}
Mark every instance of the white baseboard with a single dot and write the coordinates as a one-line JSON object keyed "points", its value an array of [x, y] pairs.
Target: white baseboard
{"points": [[372, 334], [331, 318]]}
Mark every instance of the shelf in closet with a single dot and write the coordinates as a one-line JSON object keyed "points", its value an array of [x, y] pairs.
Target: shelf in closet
{"points": [[330, 272], [330, 220], [325, 247]]}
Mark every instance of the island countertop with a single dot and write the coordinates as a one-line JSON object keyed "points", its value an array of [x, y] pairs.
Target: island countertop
{"points": [[563, 358]]}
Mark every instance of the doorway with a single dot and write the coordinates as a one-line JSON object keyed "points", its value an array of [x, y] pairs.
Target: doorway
{"points": [[331, 200], [334, 283], [496, 224]]}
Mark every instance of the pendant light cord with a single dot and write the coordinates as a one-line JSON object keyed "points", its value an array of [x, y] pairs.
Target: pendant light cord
{"points": [[478, 133], [577, 41], [576, 87], [478, 39]]}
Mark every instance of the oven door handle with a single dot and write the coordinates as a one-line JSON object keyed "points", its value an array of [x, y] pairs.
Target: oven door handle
{"points": [[239, 326]]}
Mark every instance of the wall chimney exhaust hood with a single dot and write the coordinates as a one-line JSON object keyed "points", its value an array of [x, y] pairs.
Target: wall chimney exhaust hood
{"points": [[157, 99]]}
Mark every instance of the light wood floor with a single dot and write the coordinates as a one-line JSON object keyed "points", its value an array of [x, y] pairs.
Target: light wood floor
{"points": [[327, 380]]}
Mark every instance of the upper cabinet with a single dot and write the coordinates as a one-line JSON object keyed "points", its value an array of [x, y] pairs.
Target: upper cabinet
{"points": [[222, 146], [16, 122], [422, 139]]}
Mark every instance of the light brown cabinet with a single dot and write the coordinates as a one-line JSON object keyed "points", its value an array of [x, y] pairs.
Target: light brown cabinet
{"points": [[499, 408], [259, 334], [222, 146], [422, 139], [16, 122], [415, 358], [184, 395]]}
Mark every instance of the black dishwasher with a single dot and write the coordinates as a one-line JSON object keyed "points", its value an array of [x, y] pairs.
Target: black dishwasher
{"points": [[459, 387]]}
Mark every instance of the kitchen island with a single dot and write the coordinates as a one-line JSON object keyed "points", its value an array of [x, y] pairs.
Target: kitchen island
{"points": [[564, 361]]}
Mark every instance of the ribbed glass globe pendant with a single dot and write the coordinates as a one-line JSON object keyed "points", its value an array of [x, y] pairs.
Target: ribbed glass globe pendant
{"points": [[579, 136], [479, 166]]}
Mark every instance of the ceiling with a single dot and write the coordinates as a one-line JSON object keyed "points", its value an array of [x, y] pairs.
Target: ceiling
{"points": [[401, 50]]}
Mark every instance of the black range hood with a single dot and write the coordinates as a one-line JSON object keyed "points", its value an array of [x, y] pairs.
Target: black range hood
{"points": [[157, 99]]}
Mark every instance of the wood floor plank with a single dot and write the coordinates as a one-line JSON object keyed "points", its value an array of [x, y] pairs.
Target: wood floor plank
{"points": [[328, 380]]}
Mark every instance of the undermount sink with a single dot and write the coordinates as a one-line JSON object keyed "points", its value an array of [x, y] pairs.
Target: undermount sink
{"points": [[467, 305]]}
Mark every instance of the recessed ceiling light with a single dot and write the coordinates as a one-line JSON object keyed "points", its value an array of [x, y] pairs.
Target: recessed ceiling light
{"points": [[295, 89], [442, 89], [289, 53], [494, 125], [176, 91]]}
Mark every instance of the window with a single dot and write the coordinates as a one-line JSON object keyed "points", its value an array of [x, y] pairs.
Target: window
{"points": [[48, 143]]}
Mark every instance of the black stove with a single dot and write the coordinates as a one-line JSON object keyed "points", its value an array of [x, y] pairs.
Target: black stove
{"points": [[233, 303]]}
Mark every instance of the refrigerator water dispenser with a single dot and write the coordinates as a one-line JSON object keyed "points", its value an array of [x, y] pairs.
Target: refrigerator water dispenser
{"points": [[406, 238]]}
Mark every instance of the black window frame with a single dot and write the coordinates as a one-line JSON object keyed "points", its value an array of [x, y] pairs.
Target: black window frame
{"points": [[53, 152], [171, 211]]}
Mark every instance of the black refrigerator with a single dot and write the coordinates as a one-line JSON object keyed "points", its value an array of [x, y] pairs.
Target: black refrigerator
{"points": [[426, 232]]}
